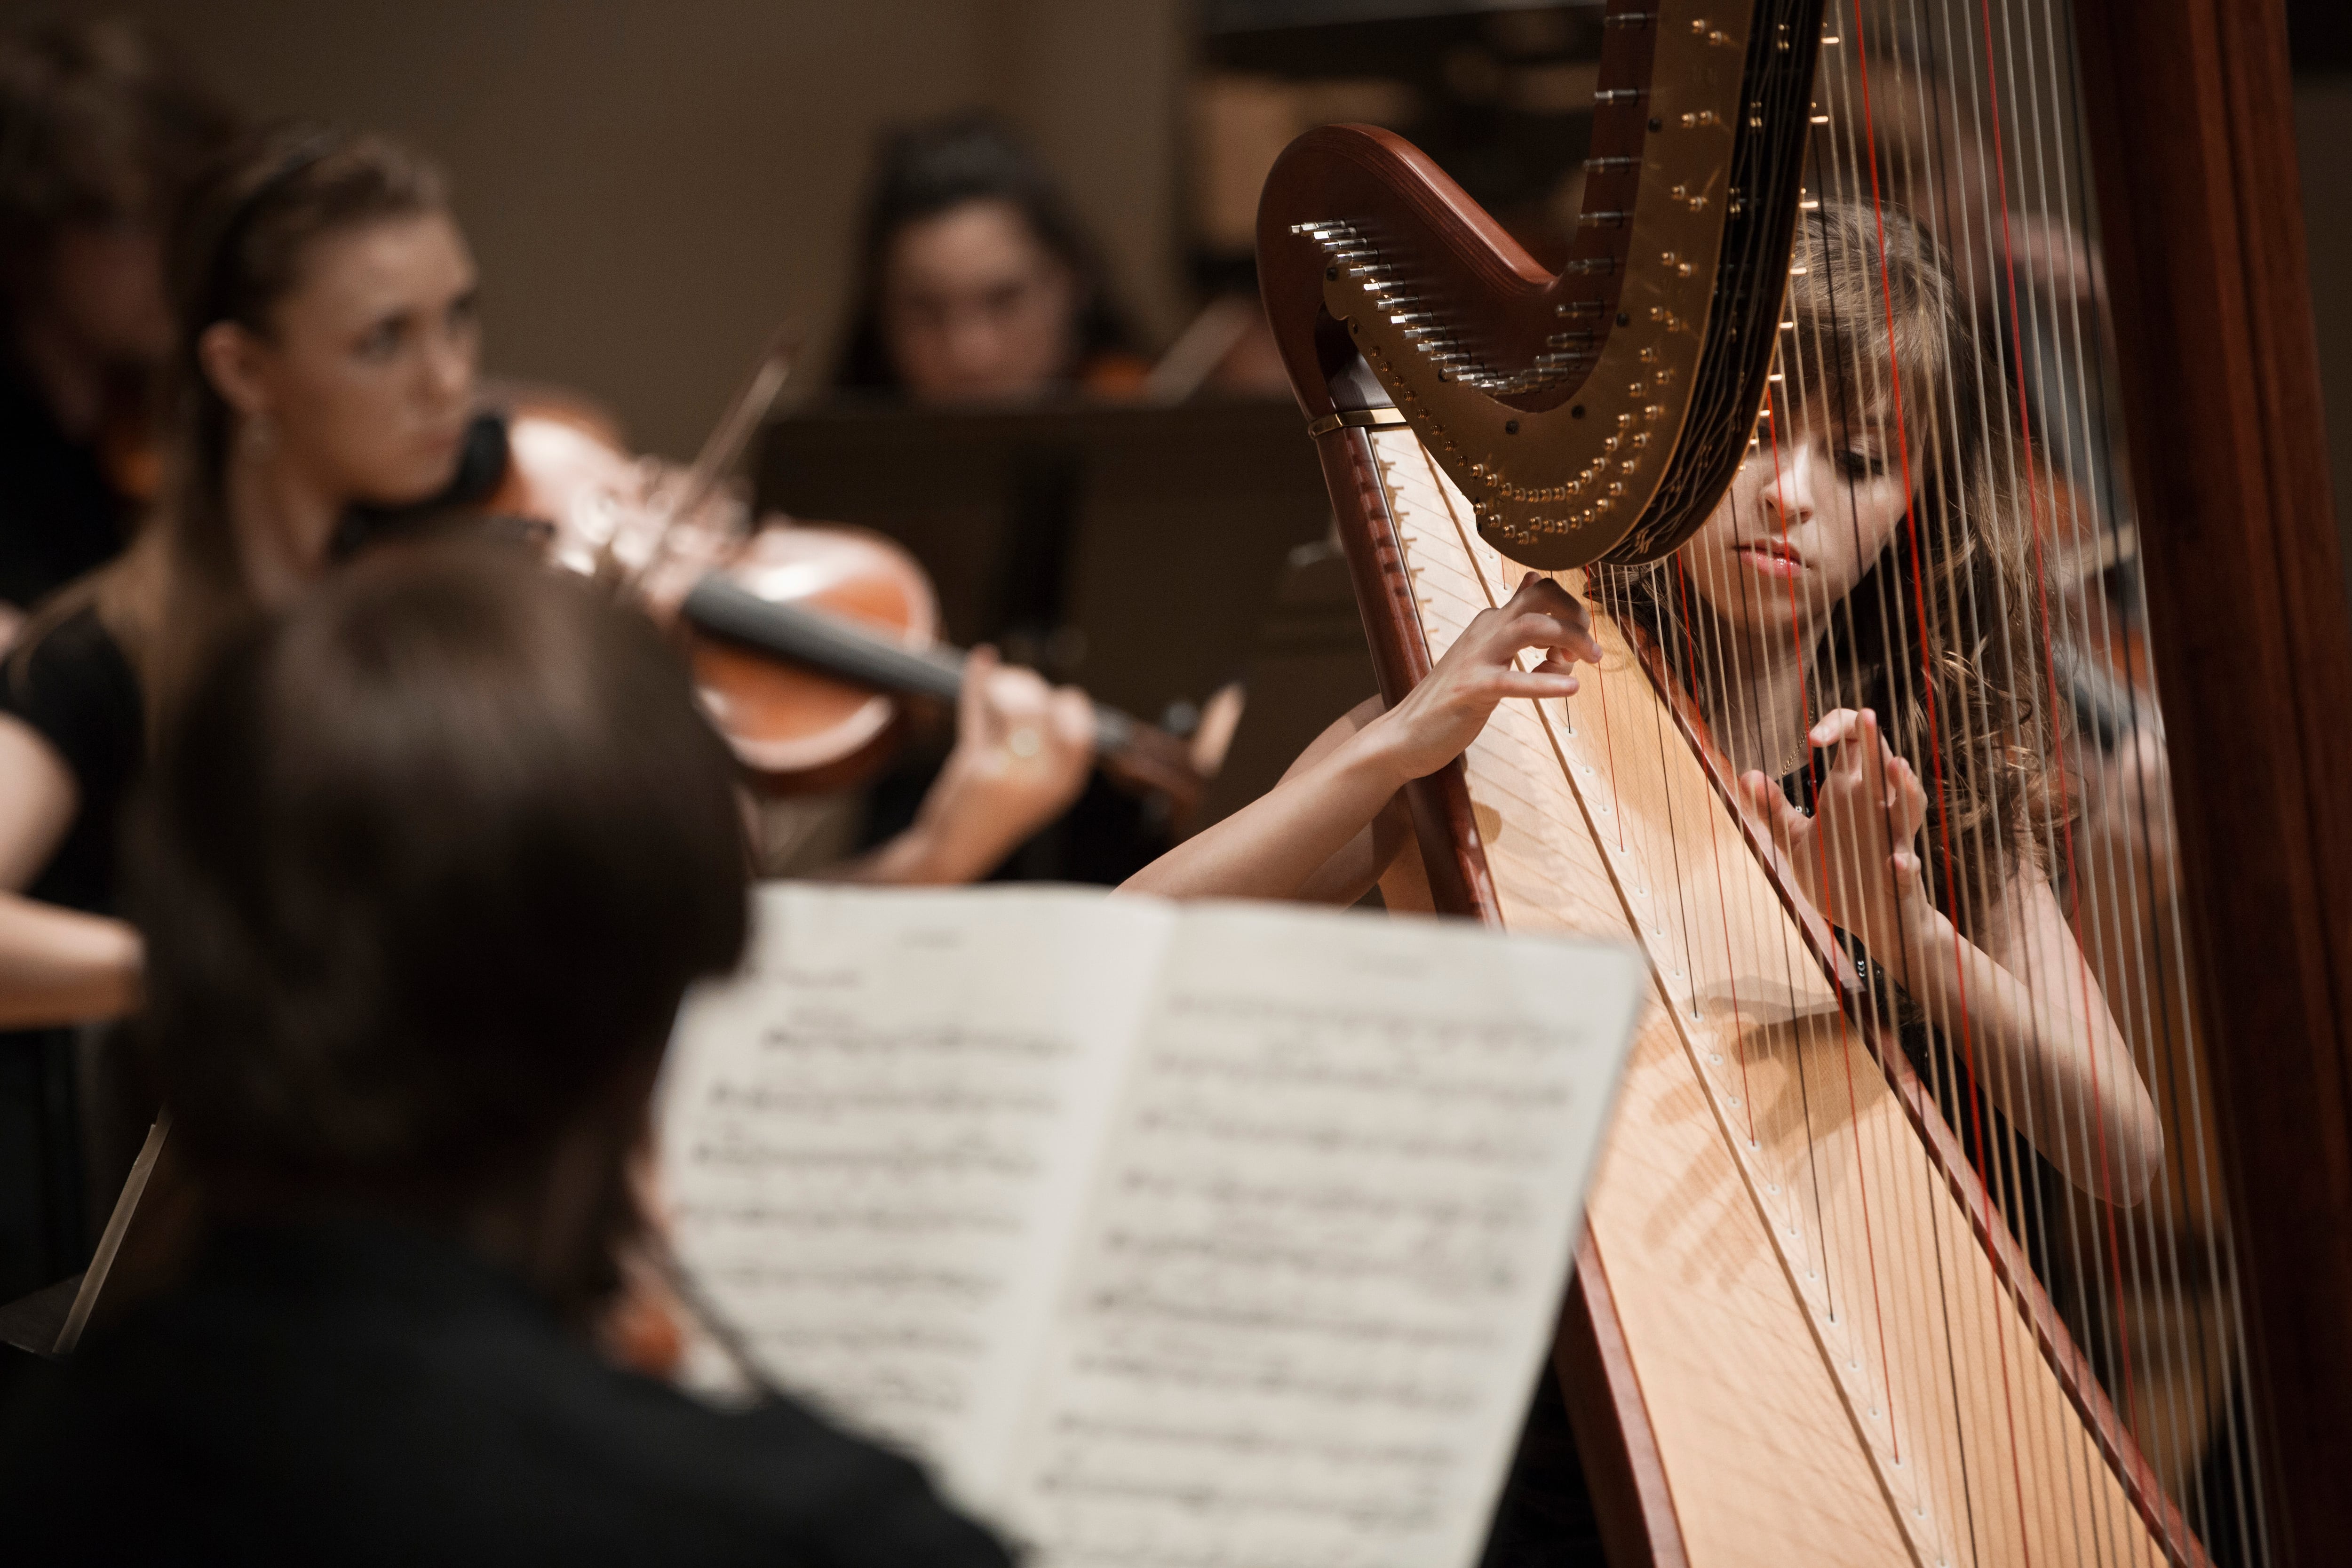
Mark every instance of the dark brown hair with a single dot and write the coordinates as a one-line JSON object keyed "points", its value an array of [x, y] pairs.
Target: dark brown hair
{"points": [[922, 170], [238, 247], [97, 126], [1960, 702], [427, 860]]}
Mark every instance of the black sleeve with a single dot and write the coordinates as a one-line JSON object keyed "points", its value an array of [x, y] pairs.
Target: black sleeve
{"points": [[779, 1474], [75, 690]]}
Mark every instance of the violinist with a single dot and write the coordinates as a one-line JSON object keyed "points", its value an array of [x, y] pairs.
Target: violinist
{"points": [[430, 859], [325, 365], [99, 134]]}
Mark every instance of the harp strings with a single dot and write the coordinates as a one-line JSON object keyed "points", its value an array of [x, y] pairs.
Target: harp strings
{"points": [[2042, 346], [2040, 365], [2172, 1012], [1807, 387], [1856, 141], [1957, 625], [2146, 1240], [2161, 1221]]}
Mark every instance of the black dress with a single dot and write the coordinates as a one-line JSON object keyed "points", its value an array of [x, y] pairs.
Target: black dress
{"points": [[75, 690], [361, 1393]]}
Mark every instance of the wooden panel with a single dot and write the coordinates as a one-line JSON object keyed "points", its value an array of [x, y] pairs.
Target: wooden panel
{"points": [[2187, 111]]}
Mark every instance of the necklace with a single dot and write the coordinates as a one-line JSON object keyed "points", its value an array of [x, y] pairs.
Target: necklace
{"points": [[1790, 757]]}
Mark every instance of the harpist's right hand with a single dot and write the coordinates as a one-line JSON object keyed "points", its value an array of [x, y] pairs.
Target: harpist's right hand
{"points": [[1440, 717]]}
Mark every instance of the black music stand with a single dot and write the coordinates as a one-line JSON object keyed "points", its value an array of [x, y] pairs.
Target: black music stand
{"points": [[1131, 548]]}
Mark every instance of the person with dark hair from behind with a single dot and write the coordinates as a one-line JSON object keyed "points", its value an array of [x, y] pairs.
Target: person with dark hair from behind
{"points": [[975, 282], [99, 133], [427, 863]]}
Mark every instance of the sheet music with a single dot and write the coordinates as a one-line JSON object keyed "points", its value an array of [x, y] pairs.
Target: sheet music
{"points": [[876, 1139], [1184, 1236], [1326, 1252]]}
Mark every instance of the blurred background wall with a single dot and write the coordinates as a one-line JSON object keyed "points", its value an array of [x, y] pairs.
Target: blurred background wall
{"points": [[652, 184]]}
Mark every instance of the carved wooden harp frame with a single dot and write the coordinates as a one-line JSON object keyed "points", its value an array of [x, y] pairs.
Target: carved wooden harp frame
{"points": [[2194, 163]]}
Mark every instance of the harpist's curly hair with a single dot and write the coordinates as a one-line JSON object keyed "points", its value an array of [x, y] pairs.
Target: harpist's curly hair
{"points": [[429, 862], [1984, 668]]}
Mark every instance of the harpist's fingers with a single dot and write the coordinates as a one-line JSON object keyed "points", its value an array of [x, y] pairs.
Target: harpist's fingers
{"points": [[1537, 683], [1542, 596], [1910, 800], [1536, 629], [1770, 804], [1549, 679], [1833, 727]]}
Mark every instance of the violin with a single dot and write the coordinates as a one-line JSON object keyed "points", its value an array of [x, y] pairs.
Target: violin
{"points": [[806, 640], [788, 597]]}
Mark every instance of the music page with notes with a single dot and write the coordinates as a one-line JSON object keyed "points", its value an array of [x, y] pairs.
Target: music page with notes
{"points": [[1165, 1234]]}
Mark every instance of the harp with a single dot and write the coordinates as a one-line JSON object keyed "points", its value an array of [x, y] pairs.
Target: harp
{"points": [[1821, 1314]]}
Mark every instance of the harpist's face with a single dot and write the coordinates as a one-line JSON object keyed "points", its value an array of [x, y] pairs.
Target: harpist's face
{"points": [[1806, 519]]}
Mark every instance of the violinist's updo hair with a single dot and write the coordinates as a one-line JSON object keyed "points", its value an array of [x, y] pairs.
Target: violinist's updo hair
{"points": [[239, 243]]}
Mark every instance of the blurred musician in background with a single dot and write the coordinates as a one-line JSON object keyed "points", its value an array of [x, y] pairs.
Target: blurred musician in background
{"points": [[99, 133], [975, 283], [429, 861], [326, 369]]}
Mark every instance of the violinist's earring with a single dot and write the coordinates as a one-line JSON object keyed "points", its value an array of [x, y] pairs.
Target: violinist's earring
{"points": [[260, 435]]}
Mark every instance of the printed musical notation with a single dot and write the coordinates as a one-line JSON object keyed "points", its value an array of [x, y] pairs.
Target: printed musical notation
{"points": [[1171, 1236]]}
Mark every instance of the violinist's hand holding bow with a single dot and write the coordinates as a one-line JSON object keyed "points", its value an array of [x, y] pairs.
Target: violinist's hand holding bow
{"points": [[1023, 752]]}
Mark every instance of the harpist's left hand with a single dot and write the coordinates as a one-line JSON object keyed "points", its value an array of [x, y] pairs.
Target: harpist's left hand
{"points": [[1857, 856]]}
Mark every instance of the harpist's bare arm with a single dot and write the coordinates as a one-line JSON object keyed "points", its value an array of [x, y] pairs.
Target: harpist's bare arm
{"points": [[57, 966], [1331, 825]]}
